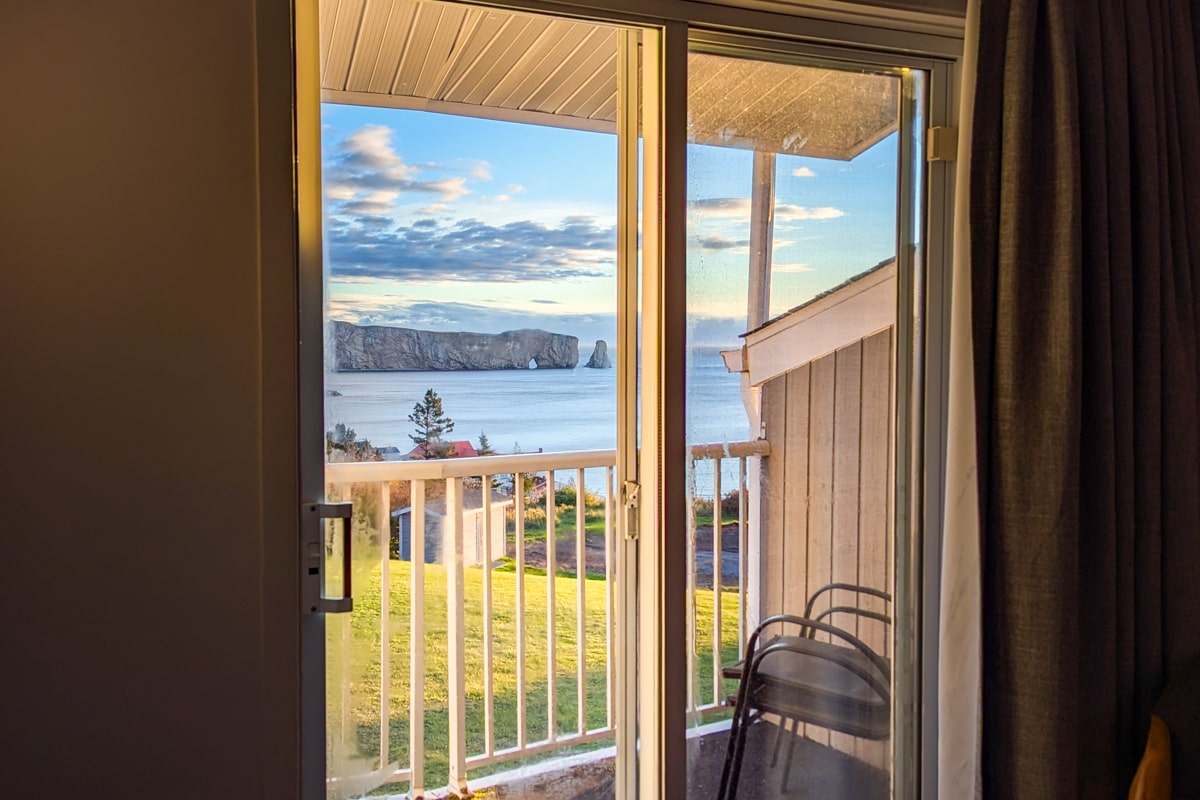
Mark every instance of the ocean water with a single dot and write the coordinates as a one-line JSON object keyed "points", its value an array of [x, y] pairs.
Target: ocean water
{"points": [[554, 410]]}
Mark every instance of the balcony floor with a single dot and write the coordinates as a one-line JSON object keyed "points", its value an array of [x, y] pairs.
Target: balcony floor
{"points": [[817, 772]]}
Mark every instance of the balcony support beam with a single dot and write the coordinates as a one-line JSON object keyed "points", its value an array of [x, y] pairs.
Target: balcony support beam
{"points": [[762, 234]]}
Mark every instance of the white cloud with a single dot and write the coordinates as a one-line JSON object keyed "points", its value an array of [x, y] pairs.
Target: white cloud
{"points": [[436, 208], [803, 172], [450, 189], [791, 268], [379, 202], [740, 207], [482, 171], [371, 148], [720, 207], [785, 211], [719, 242], [496, 198], [515, 188], [367, 175]]}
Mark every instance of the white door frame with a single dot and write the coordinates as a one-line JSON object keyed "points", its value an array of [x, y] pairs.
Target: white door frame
{"points": [[660, 549]]}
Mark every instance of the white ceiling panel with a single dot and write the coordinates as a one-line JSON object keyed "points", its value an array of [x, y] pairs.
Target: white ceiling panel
{"points": [[479, 62]]}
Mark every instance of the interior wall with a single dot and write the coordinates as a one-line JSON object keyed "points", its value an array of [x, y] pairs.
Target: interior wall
{"points": [[146, 338], [147, 341]]}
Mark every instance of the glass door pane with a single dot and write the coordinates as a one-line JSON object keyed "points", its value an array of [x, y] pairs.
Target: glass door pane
{"points": [[794, 175], [480, 179]]}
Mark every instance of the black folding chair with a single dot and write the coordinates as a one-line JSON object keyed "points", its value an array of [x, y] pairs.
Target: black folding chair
{"points": [[840, 684]]}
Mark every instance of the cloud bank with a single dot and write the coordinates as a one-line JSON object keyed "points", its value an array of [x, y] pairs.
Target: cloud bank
{"points": [[367, 183], [472, 250]]}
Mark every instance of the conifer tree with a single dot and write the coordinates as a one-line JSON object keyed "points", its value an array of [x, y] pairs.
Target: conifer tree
{"points": [[432, 423]]}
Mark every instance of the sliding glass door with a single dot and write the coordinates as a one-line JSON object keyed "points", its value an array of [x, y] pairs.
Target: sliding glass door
{"points": [[802, 258], [610, 336], [474, 269]]}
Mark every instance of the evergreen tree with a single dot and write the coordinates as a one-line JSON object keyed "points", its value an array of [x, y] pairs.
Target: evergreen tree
{"points": [[432, 423], [526, 478], [485, 449]]}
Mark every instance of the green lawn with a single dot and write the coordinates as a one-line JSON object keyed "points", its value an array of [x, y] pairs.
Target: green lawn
{"points": [[354, 664], [564, 525]]}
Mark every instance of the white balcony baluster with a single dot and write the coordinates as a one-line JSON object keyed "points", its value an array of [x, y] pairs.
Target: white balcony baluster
{"points": [[519, 535], [416, 683], [716, 581], [383, 521], [456, 636], [581, 601], [691, 590], [743, 560], [489, 717], [610, 611], [551, 627], [452, 472]]}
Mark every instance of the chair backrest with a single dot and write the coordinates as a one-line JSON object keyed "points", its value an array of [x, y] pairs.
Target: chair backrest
{"points": [[856, 609]]}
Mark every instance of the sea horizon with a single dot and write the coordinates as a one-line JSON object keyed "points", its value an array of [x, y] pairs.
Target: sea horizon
{"points": [[552, 410]]}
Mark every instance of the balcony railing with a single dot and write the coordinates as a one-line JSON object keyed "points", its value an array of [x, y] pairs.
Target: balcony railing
{"points": [[477, 745]]}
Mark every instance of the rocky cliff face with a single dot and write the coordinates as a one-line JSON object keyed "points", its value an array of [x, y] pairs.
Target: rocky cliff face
{"points": [[376, 347], [599, 359]]}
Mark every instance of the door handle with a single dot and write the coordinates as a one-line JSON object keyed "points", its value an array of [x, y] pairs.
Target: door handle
{"points": [[315, 558]]}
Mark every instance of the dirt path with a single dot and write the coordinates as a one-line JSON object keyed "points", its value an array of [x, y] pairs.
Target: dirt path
{"points": [[564, 555]]}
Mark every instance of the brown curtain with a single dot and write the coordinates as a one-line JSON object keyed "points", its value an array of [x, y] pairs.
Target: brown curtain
{"points": [[1085, 253]]}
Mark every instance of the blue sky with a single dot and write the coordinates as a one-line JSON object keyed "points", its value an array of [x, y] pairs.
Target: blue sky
{"points": [[453, 223]]}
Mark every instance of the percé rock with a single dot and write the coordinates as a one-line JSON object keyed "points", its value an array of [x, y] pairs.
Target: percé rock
{"points": [[599, 359], [377, 347]]}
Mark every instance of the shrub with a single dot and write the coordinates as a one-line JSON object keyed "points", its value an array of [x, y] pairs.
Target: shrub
{"points": [[534, 516], [702, 506], [565, 496]]}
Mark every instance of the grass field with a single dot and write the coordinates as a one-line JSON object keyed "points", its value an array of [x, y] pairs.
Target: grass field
{"points": [[355, 667]]}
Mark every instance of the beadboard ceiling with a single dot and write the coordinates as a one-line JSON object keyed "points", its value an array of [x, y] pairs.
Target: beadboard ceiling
{"points": [[457, 59]]}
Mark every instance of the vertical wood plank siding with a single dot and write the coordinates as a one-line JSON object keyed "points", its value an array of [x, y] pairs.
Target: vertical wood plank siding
{"points": [[828, 493]]}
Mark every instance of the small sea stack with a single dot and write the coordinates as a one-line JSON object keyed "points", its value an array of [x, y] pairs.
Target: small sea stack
{"points": [[599, 359]]}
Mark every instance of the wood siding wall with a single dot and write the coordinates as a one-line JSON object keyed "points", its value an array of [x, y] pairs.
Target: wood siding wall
{"points": [[828, 487]]}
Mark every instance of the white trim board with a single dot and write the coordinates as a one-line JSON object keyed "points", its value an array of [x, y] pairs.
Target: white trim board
{"points": [[853, 312]]}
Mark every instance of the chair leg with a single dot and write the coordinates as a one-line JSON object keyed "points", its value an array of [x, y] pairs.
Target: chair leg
{"points": [[738, 751], [741, 718], [729, 754], [778, 740], [787, 764]]}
